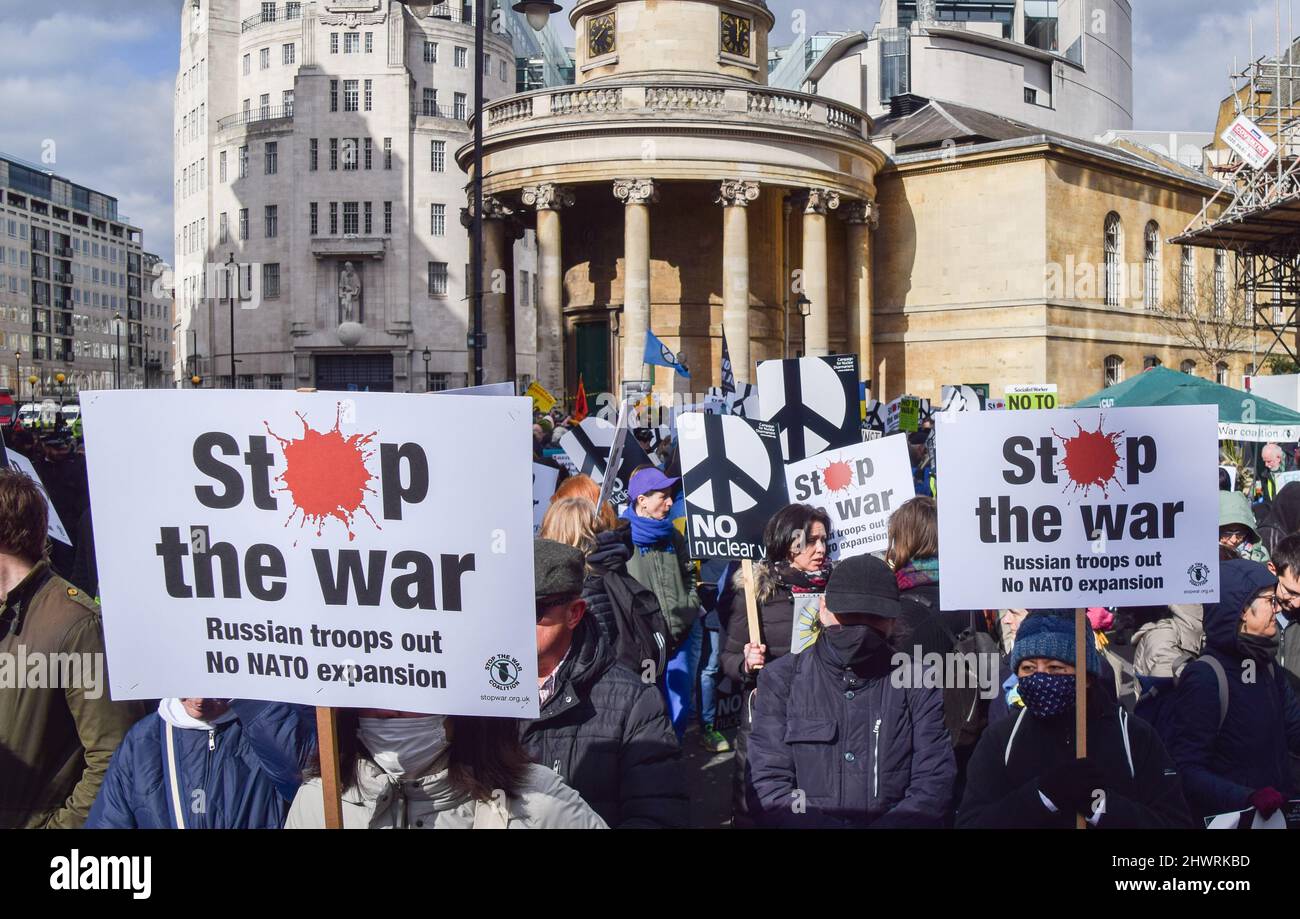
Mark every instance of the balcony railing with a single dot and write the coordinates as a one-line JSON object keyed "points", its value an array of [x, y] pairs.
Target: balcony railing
{"points": [[457, 13], [61, 277], [252, 116], [38, 246], [428, 110], [62, 252], [274, 15]]}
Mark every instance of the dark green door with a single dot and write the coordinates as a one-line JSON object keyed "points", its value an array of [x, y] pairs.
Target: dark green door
{"points": [[592, 360]]}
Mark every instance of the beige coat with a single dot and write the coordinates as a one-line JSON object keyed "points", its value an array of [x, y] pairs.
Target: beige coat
{"points": [[380, 802], [1162, 648]]}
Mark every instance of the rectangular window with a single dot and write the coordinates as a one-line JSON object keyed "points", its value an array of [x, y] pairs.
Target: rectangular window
{"points": [[487, 65], [334, 218], [458, 107], [286, 100], [313, 154], [248, 108], [289, 53], [264, 59], [272, 221], [272, 152], [243, 223], [523, 288], [388, 153], [369, 151], [222, 165], [243, 162], [271, 280], [351, 153], [438, 155], [350, 218], [431, 52], [437, 279], [274, 381], [370, 43], [438, 219], [334, 95], [461, 57], [334, 43], [503, 71], [351, 95], [370, 95], [351, 42], [430, 102], [369, 227], [264, 105], [334, 153], [388, 217], [314, 215], [223, 228], [248, 64]]}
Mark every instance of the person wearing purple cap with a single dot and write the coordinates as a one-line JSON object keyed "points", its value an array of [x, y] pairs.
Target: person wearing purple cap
{"points": [[660, 562]]}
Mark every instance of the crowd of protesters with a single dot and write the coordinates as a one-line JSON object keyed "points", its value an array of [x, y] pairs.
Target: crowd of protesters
{"points": [[635, 643]]}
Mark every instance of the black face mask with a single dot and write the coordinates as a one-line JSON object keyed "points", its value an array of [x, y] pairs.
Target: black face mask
{"points": [[854, 646], [1257, 647]]}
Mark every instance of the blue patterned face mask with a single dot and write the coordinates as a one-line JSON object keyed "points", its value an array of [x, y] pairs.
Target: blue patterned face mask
{"points": [[1047, 694]]}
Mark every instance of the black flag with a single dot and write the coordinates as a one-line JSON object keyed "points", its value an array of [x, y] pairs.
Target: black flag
{"points": [[728, 375]]}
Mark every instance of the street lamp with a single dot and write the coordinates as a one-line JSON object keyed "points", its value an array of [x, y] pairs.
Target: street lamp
{"points": [[427, 356], [18, 374], [117, 352], [805, 309], [537, 12], [144, 348], [195, 381], [33, 380], [60, 378], [230, 291]]}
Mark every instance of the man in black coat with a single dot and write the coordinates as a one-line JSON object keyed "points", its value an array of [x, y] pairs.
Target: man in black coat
{"points": [[1024, 772], [602, 729]]}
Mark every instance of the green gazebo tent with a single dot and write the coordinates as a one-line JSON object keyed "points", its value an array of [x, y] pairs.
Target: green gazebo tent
{"points": [[1242, 416]]}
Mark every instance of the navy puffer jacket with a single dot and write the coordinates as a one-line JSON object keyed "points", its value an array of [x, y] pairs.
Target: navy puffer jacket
{"points": [[1221, 767], [822, 754], [242, 774]]}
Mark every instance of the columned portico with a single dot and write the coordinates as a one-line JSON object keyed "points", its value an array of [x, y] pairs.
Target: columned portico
{"points": [[815, 266], [862, 218], [734, 195], [636, 195], [548, 199]]}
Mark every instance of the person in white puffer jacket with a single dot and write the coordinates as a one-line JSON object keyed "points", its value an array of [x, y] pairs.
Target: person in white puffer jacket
{"points": [[402, 770]]}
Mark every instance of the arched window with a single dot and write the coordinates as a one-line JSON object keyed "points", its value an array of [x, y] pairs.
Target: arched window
{"points": [[1188, 367], [1220, 283], [1114, 368], [1114, 246], [1221, 373], [1151, 266], [1189, 280]]}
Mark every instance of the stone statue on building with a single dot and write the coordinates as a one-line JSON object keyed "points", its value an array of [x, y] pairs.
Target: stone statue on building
{"points": [[349, 294]]}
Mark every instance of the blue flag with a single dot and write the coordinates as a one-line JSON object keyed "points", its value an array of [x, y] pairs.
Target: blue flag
{"points": [[658, 355], [728, 374]]}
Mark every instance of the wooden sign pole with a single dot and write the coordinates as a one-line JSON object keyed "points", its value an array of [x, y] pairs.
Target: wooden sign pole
{"points": [[751, 601], [1081, 627], [327, 739]]}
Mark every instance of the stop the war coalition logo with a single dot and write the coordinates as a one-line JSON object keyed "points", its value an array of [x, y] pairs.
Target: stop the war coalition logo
{"points": [[1080, 507], [298, 548]]}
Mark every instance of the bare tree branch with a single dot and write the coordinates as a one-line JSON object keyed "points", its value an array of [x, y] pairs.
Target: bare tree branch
{"points": [[1212, 324]]}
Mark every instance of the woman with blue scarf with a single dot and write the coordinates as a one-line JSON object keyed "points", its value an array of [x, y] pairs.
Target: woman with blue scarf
{"points": [[660, 562]]}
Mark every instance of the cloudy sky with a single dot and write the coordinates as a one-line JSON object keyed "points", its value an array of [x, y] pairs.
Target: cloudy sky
{"points": [[88, 84]]}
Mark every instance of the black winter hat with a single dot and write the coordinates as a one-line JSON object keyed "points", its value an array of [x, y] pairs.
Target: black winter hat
{"points": [[863, 584]]}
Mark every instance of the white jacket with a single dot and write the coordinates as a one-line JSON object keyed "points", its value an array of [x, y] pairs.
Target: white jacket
{"points": [[380, 802]]}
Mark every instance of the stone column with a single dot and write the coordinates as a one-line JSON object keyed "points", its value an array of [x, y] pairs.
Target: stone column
{"points": [[815, 286], [862, 217], [549, 198], [636, 195], [734, 195], [496, 363]]}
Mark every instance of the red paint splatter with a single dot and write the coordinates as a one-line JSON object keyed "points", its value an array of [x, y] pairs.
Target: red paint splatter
{"points": [[837, 475], [325, 474], [1091, 459]]}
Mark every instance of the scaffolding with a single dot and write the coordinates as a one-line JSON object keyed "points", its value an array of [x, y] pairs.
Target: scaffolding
{"points": [[1256, 214]]}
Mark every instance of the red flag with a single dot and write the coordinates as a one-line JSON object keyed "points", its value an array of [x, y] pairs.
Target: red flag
{"points": [[580, 403]]}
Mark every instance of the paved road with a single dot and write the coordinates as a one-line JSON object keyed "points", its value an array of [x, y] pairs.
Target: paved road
{"points": [[708, 782]]}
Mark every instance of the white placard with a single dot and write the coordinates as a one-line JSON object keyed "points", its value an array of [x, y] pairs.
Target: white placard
{"points": [[1080, 507], [318, 548], [1250, 142], [1033, 396], [544, 479], [806, 622], [53, 525], [859, 487], [485, 389]]}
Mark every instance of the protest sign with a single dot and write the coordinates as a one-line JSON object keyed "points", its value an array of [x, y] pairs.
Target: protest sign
{"points": [[1282, 479], [54, 526], [588, 448], [903, 414], [995, 405], [814, 402], [486, 389], [744, 402], [307, 548], [859, 487], [875, 416], [1081, 507], [733, 484], [807, 621], [968, 397], [544, 479], [1025, 398], [543, 401]]}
